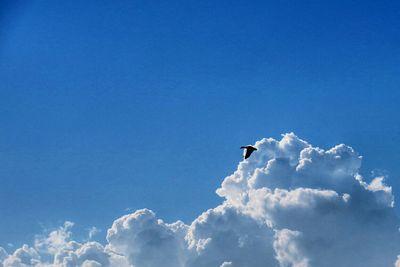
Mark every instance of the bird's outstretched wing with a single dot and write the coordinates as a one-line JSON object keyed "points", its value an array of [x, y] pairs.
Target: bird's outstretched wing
{"points": [[248, 153], [248, 150]]}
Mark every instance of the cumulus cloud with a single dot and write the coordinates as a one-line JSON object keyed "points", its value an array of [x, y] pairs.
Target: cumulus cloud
{"points": [[226, 234], [289, 204], [147, 241], [288, 251]]}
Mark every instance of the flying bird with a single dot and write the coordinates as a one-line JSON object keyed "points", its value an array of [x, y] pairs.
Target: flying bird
{"points": [[248, 150]]}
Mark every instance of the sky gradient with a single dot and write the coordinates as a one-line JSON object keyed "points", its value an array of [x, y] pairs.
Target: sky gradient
{"points": [[111, 107]]}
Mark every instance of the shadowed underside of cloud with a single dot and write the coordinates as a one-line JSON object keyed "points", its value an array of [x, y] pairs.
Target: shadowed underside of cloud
{"points": [[289, 204]]}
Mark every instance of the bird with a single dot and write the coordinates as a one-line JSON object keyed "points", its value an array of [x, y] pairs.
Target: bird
{"points": [[248, 150]]}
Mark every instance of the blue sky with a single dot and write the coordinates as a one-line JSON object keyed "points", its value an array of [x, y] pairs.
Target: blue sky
{"points": [[108, 106]]}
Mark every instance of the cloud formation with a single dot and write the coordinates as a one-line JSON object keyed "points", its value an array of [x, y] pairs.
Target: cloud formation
{"points": [[289, 204]]}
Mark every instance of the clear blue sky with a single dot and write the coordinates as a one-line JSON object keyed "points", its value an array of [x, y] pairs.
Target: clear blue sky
{"points": [[109, 105]]}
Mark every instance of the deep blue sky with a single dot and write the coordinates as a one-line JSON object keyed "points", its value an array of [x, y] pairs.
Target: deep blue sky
{"points": [[109, 105]]}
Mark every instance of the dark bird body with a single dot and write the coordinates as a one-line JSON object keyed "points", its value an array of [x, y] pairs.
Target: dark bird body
{"points": [[248, 150]]}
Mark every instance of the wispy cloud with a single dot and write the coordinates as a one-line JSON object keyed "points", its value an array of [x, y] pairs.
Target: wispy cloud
{"points": [[93, 231]]}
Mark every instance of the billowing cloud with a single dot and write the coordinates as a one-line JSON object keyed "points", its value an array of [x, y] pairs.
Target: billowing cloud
{"points": [[226, 234], [147, 241], [22, 257], [289, 204]]}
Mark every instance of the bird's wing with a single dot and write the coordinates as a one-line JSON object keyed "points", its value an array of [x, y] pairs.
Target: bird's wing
{"points": [[248, 153]]}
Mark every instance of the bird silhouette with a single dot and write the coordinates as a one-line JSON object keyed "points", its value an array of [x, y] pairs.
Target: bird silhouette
{"points": [[247, 151]]}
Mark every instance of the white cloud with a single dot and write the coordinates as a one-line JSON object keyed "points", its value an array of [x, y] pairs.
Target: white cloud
{"points": [[225, 234], [56, 240], [289, 204], [322, 197], [88, 263], [22, 257], [397, 263], [93, 231], [147, 241], [3, 254], [288, 251]]}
